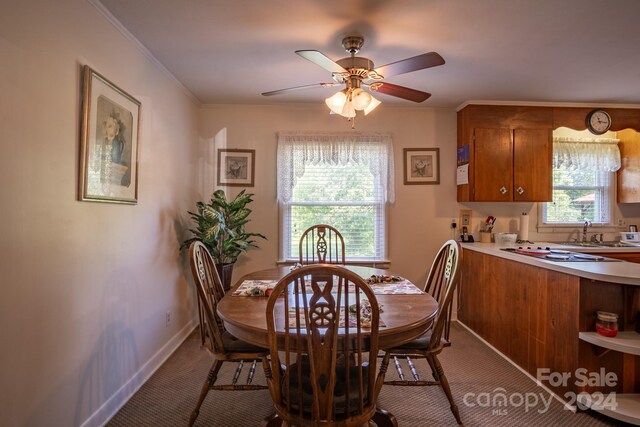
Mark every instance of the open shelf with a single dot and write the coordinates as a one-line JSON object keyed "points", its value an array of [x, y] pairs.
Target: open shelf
{"points": [[625, 342], [627, 406]]}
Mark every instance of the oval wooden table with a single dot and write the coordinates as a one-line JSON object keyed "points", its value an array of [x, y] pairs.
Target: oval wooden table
{"points": [[406, 316]]}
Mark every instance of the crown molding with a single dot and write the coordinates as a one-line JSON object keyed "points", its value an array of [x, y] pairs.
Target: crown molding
{"points": [[546, 104], [141, 47]]}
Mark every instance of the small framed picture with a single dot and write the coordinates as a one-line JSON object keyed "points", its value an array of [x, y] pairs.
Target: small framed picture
{"points": [[236, 167], [108, 142], [421, 166], [633, 228]]}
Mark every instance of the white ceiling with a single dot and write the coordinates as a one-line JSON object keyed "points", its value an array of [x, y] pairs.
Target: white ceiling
{"points": [[230, 51]]}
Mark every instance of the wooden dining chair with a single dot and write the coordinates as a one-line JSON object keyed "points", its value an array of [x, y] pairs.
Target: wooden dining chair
{"points": [[445, 270], [437, 281], [321, 244], [223, 346], [322, 369]]}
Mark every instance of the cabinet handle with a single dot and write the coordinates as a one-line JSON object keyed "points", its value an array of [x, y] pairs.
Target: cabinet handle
{"points": [[503, 190], [520, 190]]}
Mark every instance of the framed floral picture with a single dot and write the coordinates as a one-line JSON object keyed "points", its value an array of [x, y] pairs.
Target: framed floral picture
{"points": [[236, 167], [109, 137], [421, 166]]}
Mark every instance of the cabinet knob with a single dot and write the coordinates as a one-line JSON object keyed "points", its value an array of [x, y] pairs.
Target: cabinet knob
{"points": [[503, 190], [520, 190]]}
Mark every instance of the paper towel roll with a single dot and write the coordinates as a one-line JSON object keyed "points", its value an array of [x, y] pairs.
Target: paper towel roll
{"points": [[524, 226]]}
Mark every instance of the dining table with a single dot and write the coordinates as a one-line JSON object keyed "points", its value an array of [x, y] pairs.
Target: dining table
{"points": [[407, 310]]}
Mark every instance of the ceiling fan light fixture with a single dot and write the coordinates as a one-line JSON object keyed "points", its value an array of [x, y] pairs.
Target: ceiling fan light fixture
{"points": [[372, 105], [336, 101], [360, 99]]}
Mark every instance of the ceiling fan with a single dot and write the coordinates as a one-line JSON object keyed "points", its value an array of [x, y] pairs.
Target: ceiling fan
{"points": [[357, 72]]}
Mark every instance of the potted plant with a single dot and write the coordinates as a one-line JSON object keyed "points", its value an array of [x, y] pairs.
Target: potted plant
{"points": [[220, 226]]}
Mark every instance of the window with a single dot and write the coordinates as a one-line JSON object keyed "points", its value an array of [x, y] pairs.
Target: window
{"points": [[583, 181], [344, 180]]}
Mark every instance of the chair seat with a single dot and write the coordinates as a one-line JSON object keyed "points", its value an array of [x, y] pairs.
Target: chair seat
{"points": [[340, 390], [235, 345], [420, 343]]}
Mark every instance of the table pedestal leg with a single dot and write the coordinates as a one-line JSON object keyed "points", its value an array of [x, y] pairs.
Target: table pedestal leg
{"points": [[383, 418]]}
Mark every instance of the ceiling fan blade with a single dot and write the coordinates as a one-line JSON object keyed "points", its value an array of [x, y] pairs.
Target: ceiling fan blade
{"points": [[420, 62], [292, 89], [320, 59], [402, 92]]}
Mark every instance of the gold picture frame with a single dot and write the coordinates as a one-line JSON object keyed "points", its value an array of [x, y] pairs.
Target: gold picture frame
{"points": [[236, 167], [109, 140], [421, 166]]}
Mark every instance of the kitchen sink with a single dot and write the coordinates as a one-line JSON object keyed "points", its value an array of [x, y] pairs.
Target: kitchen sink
{"points": [[614, 245], [596, 245], [583, 244]]}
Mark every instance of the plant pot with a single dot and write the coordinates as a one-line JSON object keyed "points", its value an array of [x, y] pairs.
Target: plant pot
{"points": [[225, 271]]}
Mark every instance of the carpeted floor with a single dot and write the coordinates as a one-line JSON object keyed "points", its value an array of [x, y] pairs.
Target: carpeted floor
{"points": [[478, 377]]}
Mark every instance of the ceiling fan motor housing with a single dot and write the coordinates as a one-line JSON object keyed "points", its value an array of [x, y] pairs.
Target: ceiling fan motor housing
{"points": [[352, 44]]}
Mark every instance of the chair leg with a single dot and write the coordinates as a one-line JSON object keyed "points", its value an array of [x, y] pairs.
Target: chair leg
{"points": [[434, 371], [273, 420], [433, 361], [210, 381], [201, 324]]}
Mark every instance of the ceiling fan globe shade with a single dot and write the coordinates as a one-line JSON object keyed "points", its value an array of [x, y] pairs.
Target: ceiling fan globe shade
{"points": [[360, 99], [348, 111], [372, 105], [336, 101]]}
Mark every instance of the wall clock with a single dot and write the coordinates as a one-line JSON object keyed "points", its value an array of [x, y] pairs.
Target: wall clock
{"points": [[598, 122]]}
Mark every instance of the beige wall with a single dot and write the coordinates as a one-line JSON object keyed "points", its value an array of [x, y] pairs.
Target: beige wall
{"points": [[419, 219], [84, 286]]}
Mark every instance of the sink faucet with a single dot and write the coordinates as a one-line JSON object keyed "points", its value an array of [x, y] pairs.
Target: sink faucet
{"points": [[587, 224]]}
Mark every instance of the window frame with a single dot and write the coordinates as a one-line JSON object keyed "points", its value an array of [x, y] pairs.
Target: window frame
{"points": [[373, 149]]}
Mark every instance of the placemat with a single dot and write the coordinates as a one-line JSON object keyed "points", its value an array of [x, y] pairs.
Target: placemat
{"points": [[257, 288]]}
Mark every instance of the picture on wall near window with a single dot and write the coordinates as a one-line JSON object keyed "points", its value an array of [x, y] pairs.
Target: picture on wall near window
{"points": [[421, 166], [108, 142], [236, 167]]}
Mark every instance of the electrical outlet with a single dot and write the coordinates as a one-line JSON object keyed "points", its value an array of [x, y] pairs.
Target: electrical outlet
{"points": [[621, 222], [167, 318]]}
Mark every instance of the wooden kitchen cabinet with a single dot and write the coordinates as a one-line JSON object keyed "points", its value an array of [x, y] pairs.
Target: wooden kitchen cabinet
{"points": [[510, 152], [544, 319], [629, 173]]}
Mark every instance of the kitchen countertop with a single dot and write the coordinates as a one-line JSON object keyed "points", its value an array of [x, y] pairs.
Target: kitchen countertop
{"points": [[615, 272]]}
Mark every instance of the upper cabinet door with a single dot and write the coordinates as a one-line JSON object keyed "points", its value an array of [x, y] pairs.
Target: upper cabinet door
{"points": [[493, 159], [629, 173], [532, 170]]}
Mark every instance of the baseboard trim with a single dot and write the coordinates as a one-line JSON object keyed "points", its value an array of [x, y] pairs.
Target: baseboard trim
{"points": [[112, 405], [567, 406]]}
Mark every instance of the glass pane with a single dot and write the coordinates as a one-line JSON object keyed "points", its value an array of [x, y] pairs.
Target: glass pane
{"points": [[572, 206], [357, 224], [332, 183], [579, 195]]}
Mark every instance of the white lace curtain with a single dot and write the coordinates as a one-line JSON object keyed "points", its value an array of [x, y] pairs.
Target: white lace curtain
{"points": [[586, 153], [298, 149]]}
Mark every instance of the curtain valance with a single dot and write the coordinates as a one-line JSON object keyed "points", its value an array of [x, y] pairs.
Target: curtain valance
{"points": [[298, 149], [586, 153]]}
